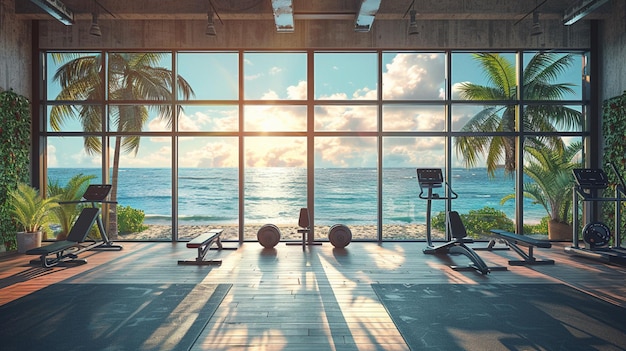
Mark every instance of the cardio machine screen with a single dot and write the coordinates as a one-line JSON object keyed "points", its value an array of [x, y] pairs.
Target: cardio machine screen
{"points": [[591, 178], [97, 192], [429, 177]]}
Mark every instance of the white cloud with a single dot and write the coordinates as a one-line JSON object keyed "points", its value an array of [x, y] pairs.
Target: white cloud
{"points": [[51, 152], [275, 152], [298, 92], [148, 157], [275, 70], [253, 76], [345, 152], [414, 76], [270, 95], [208, 155]]}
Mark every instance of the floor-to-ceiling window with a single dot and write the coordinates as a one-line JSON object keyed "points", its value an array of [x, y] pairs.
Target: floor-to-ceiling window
{"points": [[240, 139]]}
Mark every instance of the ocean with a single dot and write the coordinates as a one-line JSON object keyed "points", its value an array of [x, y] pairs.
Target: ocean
{"points": [[275, 195]]}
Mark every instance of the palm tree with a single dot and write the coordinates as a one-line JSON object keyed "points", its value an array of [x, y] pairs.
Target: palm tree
{"points": [[537, 80], [551, 172], [130, 77]]}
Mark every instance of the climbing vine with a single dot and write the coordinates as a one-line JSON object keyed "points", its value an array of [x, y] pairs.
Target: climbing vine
{"points": [[14, 155], [614, 130]]}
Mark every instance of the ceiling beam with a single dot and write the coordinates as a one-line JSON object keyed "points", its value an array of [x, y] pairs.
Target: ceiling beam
{"points": [[342, 10], [581, 9], [283, 15], [366, 14], [56, 9]]}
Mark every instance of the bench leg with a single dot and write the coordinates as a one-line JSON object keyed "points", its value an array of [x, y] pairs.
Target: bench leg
{"points": [[202, 251], [528, 259]]}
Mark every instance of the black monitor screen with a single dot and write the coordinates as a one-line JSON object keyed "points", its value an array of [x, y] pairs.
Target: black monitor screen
{"points": [[97, 192], [591, 178], [430, 176]]}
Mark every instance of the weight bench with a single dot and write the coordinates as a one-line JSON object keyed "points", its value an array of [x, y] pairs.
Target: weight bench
{"points": [[515, 240], [67, 251], [203, 243]]}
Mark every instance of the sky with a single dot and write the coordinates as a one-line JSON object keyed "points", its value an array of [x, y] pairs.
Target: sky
{"points": [[338, 77]]}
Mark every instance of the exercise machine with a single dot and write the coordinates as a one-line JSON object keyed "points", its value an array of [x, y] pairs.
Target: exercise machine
{"points": [[97, 194], [430, 179], [596, 235], [67, 251]]}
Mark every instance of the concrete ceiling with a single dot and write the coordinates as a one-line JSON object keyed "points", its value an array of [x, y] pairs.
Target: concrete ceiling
{"points": [[513, 10]]}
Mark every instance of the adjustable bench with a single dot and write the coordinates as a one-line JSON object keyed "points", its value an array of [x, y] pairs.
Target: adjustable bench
{"points": [[515, 240], [66, 251], [203, 243]]}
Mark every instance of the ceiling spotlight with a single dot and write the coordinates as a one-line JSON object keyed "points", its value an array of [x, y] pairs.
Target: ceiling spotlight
{"points": [[412, 23], [210, 25], [536, 30], [95, 28]]}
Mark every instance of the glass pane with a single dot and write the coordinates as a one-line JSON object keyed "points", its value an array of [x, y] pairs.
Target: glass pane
{"points": [[140, 76], [70, 152], [484, 118], [212, 118], [67, 160], [414, 76], [144, 187], [212, 76], [553, 76], [346, 185], [553, 117], [414, 118], [137, 118], [208, 179], [74, 118], [481, 190], [73, 76], [548, 185], [473, 80], [346, 118], [275, 118], [275, 76], [346, 76], [275, 184], [404, 213]]}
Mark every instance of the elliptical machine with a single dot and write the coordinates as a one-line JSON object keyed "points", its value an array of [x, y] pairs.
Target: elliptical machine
{"points": [[430, 179], [597, 235]]}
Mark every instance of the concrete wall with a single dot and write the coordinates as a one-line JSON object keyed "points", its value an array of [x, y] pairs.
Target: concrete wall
{"points": [[319, 34], [15, 53], [613, 53]]}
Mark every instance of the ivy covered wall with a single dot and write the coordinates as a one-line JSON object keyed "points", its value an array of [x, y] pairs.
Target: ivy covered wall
{"points": [[614, 130], [14, 155]]}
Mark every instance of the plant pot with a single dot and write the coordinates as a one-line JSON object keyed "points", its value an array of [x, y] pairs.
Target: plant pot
{"points": [[559, 231], [27, 241]]}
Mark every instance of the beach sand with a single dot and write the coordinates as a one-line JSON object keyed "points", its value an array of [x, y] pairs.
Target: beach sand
{"points": [[359, 232]]}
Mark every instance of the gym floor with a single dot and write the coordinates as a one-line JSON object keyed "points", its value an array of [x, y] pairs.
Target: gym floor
{"points": [[286, 299]]}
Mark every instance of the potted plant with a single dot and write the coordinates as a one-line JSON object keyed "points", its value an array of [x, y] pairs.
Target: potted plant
{"points": [[551, 172], [32, 213]]}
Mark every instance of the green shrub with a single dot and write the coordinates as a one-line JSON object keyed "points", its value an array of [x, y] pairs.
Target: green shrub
{"points": [[539, 228], [478, 222], [130, 220]]}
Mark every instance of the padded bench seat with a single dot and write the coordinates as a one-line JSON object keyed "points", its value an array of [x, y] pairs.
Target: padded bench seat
{"points": [[67, 250], [514, 240], [203, 243]]}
